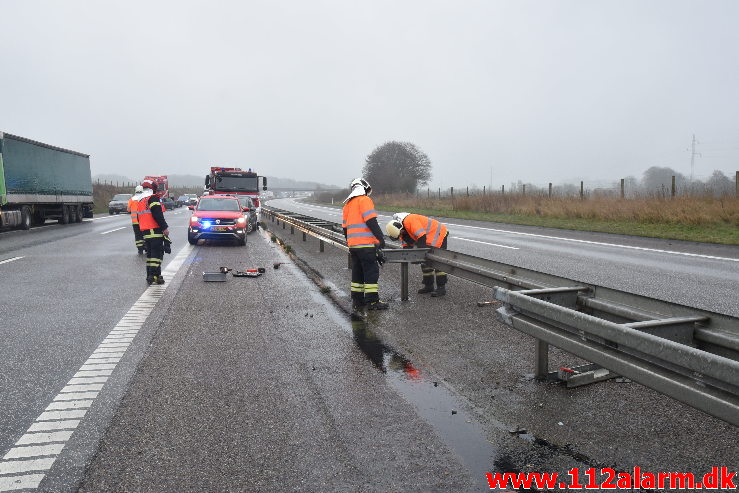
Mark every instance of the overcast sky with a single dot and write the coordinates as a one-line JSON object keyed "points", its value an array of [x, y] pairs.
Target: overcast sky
{"points": [[537, 91]]}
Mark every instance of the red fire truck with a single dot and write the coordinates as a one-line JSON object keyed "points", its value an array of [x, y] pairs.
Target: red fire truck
{"points": [[162, 184], [235, 181]]}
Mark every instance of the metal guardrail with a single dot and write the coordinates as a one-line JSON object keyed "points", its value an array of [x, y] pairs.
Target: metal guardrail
{"points": [[689, 354]]}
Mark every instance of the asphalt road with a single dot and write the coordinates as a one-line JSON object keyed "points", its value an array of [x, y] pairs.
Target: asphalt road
{"points": [[700, 275]]}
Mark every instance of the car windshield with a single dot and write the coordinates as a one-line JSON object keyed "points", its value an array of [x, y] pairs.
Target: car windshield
{"points": [[121, 197], [182, 198], [218, 204]]}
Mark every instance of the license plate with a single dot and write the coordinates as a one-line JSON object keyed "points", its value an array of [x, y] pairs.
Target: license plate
{"points": [[220, 228]]}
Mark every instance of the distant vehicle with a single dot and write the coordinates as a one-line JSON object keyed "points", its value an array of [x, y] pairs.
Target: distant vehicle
{"points": [[39, 182], [251, 214], [235, 181], [119, 203], [217, 217], [168, 203], [183, 199], [193, 199]]}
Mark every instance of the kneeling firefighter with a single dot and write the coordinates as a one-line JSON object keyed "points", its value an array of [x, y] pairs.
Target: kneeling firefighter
{"points": [[421, 232], [154, 229], [365, 241]]}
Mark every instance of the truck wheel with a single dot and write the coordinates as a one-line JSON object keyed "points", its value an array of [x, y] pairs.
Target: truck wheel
{"points": [[78, 214], [111, 211], [191, 240], [64, 218], [25, 217]]}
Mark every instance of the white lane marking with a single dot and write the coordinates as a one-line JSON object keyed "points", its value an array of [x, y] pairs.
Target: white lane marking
{"points": [[35, 438], [599, 243], [485, 243], [28, 481], [67, 424], [116, 229], [588, 242], [8, 260], [34, 451], [78, 394], [16, 466]]}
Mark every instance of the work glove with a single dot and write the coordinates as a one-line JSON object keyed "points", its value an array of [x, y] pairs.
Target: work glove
{"points": [[167, 245], [380, 256]]}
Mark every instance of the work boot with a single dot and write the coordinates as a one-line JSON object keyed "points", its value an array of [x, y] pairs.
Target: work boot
{"points": [[149, 281], [378, 305], [426, 289], [141, 251], [440, 291], [358, 307], [159, 280]]}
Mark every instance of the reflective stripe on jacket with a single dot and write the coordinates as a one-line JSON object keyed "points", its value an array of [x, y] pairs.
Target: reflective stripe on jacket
{"points": [[356, 213], [417, 226], [146, 220]]}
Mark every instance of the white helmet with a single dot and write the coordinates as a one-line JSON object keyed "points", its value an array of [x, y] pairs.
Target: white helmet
{"points": [[139, 189], [393, 229], [361, 182]]}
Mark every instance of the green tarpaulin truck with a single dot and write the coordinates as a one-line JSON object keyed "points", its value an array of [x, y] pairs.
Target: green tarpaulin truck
{"points": [[39, 182]]}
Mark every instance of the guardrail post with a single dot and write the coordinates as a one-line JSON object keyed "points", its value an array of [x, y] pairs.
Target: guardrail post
{"points": [[320, 246], [284, 226], [404, 281], [542, 359], [304, 237], [292, 229]]}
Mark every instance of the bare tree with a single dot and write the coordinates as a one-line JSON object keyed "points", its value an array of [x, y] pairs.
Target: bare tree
{"points": [[397, 167]]}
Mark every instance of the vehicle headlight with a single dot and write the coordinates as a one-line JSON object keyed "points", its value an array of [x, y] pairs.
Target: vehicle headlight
{"points": [[241, 220], [194, 220]]}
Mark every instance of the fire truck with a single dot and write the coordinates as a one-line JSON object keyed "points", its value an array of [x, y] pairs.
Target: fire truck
{"points": [[235, 181], [162, 184]]}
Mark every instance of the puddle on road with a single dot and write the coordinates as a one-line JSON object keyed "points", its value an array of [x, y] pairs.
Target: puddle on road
{"points": [[434, 402]]}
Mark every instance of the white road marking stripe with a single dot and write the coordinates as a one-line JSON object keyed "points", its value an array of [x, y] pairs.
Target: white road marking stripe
{"points": [[78, 394], [73, 396], [485, 243], [600, 243], [34, 451], [28, 481], [16, 466], [57, 415], [112, 230], [57, 405], [93, 373], [10, 260], [55, 436], [86, 380], [67, 424]]}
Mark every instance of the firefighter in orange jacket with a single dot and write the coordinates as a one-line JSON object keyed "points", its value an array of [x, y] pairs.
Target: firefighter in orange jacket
{"points": [[154, 229], [421, 231], [365, 241], [133, 208]]}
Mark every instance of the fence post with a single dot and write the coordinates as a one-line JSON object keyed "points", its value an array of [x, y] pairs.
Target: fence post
{"points": [[736, 183], [672, 190], [502, 189], [550, 190], [483, 190], [468, 191], [428, 193], [582, 191], [622, 187], [524, 189], [452, 193], [439, 192]]}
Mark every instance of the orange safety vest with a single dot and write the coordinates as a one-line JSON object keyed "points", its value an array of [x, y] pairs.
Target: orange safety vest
{"points": [[146, 220], [356, 213], [133, 208], [417, 225]]}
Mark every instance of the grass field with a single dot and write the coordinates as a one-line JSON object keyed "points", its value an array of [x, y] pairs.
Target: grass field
{"points": [[703, 219]]}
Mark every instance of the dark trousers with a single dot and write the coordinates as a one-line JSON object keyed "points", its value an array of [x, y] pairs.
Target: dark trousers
{"points": [[155, 254], [138, 237], [430, 274], [365, 274]]}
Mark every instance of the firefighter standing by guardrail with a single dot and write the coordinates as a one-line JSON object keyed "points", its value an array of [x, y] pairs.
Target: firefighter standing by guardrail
{"points": [[421, 231], [154, 229], [133, 208], [365, 241]]}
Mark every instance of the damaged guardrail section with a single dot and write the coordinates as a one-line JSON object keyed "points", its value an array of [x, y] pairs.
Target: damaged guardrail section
{"points": [[689, 354]]}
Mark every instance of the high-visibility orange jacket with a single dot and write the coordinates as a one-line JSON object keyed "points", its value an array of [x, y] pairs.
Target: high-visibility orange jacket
{"points": [[146, 218], [418, 226], [356, 213], [133, 208]]}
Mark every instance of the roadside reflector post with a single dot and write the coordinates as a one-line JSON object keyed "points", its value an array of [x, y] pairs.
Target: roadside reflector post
{"points": [[404, 281], [304, 237], [320, 245], [542, 359], [292, 230], [283, 225]]}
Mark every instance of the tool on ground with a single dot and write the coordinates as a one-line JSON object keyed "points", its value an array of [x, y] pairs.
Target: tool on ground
{"points": [[485, 303], [249, 272], [277, 265], [219, 276]]}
